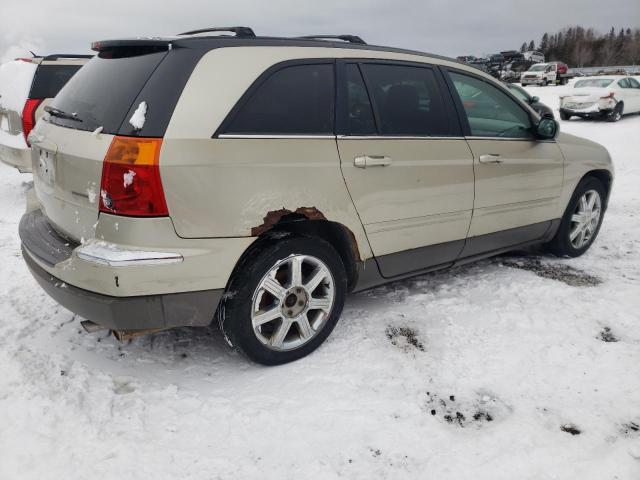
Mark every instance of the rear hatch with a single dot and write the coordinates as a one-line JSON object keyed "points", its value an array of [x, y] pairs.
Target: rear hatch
{"points": [[72, 139]]}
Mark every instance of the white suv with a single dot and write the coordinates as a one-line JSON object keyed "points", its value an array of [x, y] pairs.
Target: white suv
{"points": [[27, 85]]}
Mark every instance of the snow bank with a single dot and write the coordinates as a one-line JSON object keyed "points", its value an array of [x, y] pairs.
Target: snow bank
{"points": [[15, 83], [139, 116]]}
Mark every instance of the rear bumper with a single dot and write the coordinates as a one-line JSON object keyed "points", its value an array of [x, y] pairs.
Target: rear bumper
{"points": [[586, 114], [19, 158], [130, 313], [126, 288]]}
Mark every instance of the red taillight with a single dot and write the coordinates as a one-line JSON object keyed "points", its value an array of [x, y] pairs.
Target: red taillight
{"points": [[610, 95], [29, 117], [131, 184]]}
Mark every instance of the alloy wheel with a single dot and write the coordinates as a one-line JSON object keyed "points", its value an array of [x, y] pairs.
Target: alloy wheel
{"points": [[292, 302], [585, 219]]}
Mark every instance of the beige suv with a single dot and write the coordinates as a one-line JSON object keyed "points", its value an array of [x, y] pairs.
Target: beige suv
{"points": [[265, 178]]}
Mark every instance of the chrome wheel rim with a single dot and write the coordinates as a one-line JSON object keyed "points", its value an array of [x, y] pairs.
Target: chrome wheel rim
{"points": [[585, 219], [292, 302]]}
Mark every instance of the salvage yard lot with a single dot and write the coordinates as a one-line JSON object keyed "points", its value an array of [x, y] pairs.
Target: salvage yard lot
{"points": [[519, 367]]}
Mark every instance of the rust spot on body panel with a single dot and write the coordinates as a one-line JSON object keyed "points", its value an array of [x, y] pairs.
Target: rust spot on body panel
{"points": [[274, 216]]}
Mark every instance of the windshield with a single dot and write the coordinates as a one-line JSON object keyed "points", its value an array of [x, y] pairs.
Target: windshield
{"points": [[593, 82], [538, 68]]}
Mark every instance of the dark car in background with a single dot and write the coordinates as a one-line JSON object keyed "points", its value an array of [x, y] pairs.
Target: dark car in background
{"points": [[534, 101]]}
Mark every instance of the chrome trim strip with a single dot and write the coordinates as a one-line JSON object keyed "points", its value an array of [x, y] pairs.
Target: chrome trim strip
{"points": [[268, 137], [115, 256], [390, 137], [511, 139]]}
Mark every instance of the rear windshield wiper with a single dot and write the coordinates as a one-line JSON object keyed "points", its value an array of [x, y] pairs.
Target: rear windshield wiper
{"points": [[56, 112]]}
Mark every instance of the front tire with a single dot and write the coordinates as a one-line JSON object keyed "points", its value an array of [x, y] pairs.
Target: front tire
{"points": [[284, 299], [581, 221], [565, 116]]}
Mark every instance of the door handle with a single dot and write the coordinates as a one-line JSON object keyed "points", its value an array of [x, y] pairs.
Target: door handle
{"points": [[371, 161], [490, 158]]}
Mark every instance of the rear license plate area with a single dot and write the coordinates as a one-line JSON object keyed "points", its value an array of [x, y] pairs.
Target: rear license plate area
{"points": [[47, 167]]}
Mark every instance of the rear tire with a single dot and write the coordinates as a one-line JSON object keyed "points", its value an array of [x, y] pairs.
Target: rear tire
{"points": [[581, 221], [272, 311], [616, 113]]}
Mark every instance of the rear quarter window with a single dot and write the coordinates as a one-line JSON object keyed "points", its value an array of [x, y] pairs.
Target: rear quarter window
{"points": [[294, 100]]}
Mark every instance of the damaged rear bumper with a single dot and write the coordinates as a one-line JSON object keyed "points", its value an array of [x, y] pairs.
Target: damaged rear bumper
{"points": [[176, 282], [129, 313]]}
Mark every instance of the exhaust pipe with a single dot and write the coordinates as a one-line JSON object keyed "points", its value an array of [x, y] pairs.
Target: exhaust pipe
{"points": [[124, 335], [92, 327]]}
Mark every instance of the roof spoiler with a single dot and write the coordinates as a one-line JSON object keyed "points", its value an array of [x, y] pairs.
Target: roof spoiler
{"points": [[129, 42], [58, 56]]}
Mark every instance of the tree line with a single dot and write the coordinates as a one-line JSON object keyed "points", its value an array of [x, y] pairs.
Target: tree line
{"points": [[585, 47]]}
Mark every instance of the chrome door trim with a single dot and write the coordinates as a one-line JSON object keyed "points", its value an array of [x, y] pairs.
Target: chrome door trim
{"points": [[268, 137]]}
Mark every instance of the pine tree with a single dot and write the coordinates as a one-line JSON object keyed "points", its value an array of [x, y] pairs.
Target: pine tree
{"points": [[544, 43], [532, 45], [523, 48]]}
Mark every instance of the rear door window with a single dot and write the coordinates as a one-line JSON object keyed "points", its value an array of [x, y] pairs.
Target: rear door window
{"points": [[295, 100], [49, 80], [360, 119], [407, 100]]}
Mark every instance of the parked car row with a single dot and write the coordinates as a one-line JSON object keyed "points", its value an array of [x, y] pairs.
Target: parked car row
{"points": [[257, 181]]}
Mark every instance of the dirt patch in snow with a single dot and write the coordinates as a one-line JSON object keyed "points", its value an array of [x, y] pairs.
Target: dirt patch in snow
{"points": [[631, 429], [554, 271], [484, 408], [405, 338], [570, 428], [606, 335]]}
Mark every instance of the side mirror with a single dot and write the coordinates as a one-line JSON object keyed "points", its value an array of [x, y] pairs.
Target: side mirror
{"points": [[547, 128], [534, 99]]}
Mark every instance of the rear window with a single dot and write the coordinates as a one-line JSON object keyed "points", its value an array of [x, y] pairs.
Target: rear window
{"points": [[50, 79], [295, 100], [102, 92]]}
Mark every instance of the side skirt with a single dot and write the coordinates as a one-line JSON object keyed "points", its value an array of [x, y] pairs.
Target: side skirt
{"points": [[476, 248]]}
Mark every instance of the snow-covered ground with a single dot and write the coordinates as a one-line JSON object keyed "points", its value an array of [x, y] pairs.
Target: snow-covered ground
{"points": [[520, 367]]}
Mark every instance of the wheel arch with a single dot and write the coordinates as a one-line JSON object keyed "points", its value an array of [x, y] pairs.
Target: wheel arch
{"points": [[339, 236], [336, 234], [603, 176]]}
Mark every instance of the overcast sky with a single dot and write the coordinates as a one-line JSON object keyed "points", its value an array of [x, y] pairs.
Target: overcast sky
{"points": [[455, 27]]}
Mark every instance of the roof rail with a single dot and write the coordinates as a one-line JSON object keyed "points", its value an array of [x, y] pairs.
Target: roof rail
{"points": [[241, 32], [58, 56], [344, 38]]}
